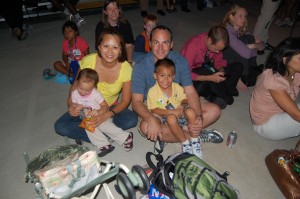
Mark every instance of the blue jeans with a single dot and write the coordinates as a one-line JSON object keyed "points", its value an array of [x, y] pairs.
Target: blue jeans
{"points": [[68, 125]]}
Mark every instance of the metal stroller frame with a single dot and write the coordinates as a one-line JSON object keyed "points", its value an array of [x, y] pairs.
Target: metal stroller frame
{"points": [[127, 181]]}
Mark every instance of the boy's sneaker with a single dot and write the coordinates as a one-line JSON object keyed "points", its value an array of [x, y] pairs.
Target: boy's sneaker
{"points": [[196, 149], [105, 150], [210, 135], [187, 148], [80, 21]]}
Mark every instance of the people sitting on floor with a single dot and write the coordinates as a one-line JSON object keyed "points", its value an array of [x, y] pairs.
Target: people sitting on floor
{"points": [[242, 45], [142, 80], [212, 77], [274, 112]]}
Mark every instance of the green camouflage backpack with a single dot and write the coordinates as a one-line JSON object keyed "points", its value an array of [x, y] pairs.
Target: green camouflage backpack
{"points": [[185, 176]]}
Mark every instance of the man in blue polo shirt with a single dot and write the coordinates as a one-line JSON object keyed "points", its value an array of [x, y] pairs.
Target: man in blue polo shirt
{"points": [[161, 43]]}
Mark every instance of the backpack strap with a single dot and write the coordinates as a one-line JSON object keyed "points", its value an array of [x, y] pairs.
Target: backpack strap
{"points": [[160, 160]]}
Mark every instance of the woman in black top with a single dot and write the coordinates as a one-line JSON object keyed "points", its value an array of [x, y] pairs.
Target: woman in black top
{"points": [[113, 17]]}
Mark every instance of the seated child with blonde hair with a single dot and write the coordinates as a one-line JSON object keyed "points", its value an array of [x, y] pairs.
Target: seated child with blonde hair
{"points": [[93, 104], [167, 100], [142, 41]]}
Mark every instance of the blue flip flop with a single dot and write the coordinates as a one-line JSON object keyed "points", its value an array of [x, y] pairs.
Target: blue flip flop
{"points": [[48, 74]]}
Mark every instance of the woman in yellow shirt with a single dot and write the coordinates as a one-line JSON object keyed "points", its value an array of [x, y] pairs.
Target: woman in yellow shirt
{"points": [[114, 77]]}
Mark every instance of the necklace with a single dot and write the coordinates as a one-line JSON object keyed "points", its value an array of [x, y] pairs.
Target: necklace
{"points": [[292, 87]]}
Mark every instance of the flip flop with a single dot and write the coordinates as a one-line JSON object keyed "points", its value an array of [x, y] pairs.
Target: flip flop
{"points": [[48, 74]]}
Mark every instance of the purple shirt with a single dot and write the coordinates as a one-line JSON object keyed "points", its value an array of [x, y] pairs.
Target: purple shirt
{"points": [[237, 45]]}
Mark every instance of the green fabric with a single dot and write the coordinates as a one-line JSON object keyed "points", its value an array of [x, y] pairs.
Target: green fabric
{"points": [[193, 178], [51, 156]]}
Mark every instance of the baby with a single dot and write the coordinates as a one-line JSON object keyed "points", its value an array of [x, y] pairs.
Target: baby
{"points": [[93, 104]]}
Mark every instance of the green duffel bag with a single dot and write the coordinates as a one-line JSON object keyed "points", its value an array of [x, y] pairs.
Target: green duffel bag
{"points": [[185, 176]]}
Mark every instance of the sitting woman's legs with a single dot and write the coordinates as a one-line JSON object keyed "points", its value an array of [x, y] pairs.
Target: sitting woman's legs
{"points": [[280, 126], [68, 126], [126, 119]]}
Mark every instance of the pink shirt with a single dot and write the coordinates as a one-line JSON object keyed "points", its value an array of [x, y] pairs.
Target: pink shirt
{"points": [[262, 104], [194, 51], [77, 51], [93, 100]]}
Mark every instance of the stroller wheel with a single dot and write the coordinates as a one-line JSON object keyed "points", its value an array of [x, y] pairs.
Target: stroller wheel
{"points": [[143, 181], [125, 186]]}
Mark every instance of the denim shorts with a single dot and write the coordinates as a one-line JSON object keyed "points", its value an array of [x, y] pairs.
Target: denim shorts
{"points": [[181, 121]]}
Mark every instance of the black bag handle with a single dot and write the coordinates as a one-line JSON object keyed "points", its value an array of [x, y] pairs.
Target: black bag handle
{"points": [[150, 163]]}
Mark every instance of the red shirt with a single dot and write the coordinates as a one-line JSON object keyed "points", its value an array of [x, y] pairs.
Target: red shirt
{"points": [[194, 51]]}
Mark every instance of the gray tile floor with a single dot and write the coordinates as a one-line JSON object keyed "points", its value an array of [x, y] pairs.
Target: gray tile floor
{"points": [[30, 105]]}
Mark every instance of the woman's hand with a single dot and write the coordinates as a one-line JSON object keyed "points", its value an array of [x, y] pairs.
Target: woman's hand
{"points": [[98, 119], [74, 109]]}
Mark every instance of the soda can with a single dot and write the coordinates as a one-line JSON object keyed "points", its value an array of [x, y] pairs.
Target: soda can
{"points": [[231, 140]]}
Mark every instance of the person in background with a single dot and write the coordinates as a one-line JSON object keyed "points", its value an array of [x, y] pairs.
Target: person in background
{"points": [[171, 6], [69, 9], [284, 15], [242, 46], [144, 7], [112, 17], [273, 109], [74, 48], [13, 14], [142, 41], [264, 21], [212, 77]]}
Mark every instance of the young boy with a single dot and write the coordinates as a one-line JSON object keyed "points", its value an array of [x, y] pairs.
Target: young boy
{"points": [[142, 44], [168, 101]]}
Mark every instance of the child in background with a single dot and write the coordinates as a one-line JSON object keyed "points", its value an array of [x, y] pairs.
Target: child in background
{"points": [[142, 44], [74, 48], [87, 95], [168, 101]]}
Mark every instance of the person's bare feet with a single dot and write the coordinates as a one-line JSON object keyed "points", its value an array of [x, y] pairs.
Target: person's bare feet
{"points": [[241, 86]]}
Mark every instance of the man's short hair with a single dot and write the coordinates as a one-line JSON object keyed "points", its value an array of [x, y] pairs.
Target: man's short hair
{"points": [[218, 33], [162, 27]]}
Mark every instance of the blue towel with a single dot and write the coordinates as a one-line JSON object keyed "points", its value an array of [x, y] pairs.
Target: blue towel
{"points": [[61, 78]]}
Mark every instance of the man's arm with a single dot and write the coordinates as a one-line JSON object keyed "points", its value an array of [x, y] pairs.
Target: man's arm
{"points": [[153, 127]]}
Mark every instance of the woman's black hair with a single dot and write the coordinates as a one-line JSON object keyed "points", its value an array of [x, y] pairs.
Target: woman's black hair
{"points": [[285, 49], [70, 24], [110, 31]]}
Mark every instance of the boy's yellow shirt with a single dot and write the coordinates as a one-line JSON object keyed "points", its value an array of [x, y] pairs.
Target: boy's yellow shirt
{"points": [[157, 99]]}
